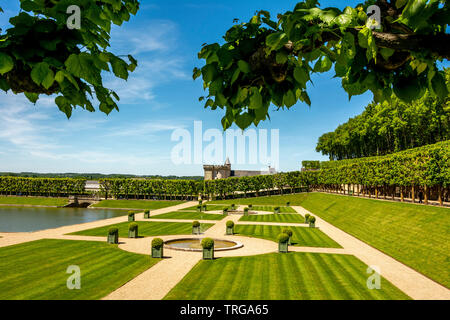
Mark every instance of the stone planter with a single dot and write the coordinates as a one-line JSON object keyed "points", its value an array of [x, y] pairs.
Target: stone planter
{"points": [[288, 204], [233, 207], [312, 224], [246, 212], [199, 208], [146, 215], [290, 240], [113, 238], [230, 231], [131, 218], [196, 230], [306, 220], [133, 234], [208, 254], [276, 210], [158, 252], [204, 208], [283, 247], [225, 212], [250, 206]]}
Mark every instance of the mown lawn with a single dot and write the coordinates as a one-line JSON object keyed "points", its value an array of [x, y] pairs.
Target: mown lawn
{"points": [[284, 217], [209, 208], [136, 204], [37, 270], [418, 236], [188, 216], [272, 208], [35, 201], [292, 276], [146, 229], [302, 237]]}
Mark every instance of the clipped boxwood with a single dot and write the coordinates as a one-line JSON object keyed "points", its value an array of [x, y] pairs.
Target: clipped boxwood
{"points": [[200, 202], [288, 204], [195, 227], [133, 230], [312, 222], [225, 211], [307, 217], [199, 208], [245, 211], [230, 228], [208, 248], [113, 235], [147, 214], [283, 242], [276, 210], [131, 216], [204, 208], [250, 206], [157, 248], [233, 206], [289, 233]]}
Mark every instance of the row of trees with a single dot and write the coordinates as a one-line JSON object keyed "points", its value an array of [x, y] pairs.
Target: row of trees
{"points": [[389, 127], [41, 186]]}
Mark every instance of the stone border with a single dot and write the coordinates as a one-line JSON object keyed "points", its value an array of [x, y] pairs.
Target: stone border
{"points": [[167, 246]]}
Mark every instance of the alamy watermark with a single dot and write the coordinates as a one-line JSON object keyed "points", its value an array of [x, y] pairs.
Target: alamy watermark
{"points": [[374, 280], [74, 20], [74, 280], [211, 146], [374, 17]]}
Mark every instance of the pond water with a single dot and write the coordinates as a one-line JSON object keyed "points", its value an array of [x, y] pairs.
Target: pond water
{"points": [[26, 219], [195, 244]]}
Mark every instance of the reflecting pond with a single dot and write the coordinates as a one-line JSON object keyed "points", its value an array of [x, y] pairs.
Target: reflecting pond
{"points": [[27, 219]]}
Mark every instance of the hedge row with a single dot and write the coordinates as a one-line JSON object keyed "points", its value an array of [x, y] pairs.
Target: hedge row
{"points": [[41, 186]]}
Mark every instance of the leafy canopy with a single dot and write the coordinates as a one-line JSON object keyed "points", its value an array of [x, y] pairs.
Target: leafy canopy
{"points": [[39, 54], [266, 61]]}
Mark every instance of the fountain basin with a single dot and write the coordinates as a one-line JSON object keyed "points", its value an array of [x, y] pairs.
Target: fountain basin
{"points": [[194, 244]]}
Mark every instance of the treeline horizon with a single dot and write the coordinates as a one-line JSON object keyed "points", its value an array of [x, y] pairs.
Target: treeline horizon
{"points": [[95, 176], [389, 127]]}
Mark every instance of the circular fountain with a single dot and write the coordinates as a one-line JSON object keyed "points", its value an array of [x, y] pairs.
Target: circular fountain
{"points": [[194, 244]]}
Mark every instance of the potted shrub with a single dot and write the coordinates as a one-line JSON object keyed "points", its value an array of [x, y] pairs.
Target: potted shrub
{"points": [[288, 204], [157, 248], [289, 233], [245, 211], [276, 210], [195, 227], [204, 208], [130, 216], [208, 249], [200, 202], [147, 214], [233, 207], [312, 222], [307, 217], [133, 230], [250, 206], [199, 208], [225, 211], [283, 240], [230, 228], [113, 235]]}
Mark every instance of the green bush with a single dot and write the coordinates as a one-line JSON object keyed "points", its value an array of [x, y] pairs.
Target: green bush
{"points": [[307, 216], [208, 243], [283, 237], [288, 204], [276, 210], [196, 224], [199, 208], [113, 230], [157, 243], [288, 232], [250, 206], [133, 226], [147, 211], [230, 224], [312, 219], [130, 213], [246, 209]]}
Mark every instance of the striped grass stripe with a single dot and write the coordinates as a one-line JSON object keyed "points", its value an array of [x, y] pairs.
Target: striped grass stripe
{"points": [[146, 229], [188, 216], [284, 217], [292, 276], [37, 270], [302, 236]]}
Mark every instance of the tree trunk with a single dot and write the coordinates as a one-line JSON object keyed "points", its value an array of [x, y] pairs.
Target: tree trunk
{"points": [[441, 203], [426, 194], [413, 194]]}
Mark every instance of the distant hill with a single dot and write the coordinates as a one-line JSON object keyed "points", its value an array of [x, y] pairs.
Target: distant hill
{"points": [[94, 176]]}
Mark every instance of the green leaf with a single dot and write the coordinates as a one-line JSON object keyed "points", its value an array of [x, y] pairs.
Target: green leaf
{"points": [[32, 97], [281, 57], [256, 100], [6, 63], [64, 106], [82, 66], [386, 53], [42, 75], [244, 120], [439, 86], [236, 74], [400, 3], [209, 72], [301, 76], [289, 98], [244, 66], [407, 88], [276, 40]]}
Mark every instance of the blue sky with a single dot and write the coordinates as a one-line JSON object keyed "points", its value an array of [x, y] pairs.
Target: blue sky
{"points": [[158, 98]]}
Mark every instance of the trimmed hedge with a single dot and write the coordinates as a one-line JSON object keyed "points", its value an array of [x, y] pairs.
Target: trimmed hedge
{"points": [[207, 243], [113, 230], [157, 243], [196, 224], [230, 224], [283, 238]]}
